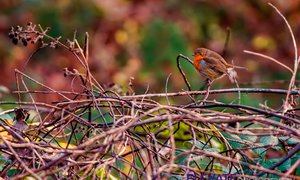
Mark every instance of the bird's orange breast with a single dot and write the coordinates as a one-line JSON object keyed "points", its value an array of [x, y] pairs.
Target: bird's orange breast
{"points": [[197, 62]]}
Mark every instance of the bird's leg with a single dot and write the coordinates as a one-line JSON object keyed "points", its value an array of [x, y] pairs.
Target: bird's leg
{"points": [[204, 86], [208, 85]]}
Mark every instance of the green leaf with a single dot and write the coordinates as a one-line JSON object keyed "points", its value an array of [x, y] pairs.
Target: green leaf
{"points": [[120, 164], [233, 140], [182, 160], [251, 137], [199, 144], [273, 176], [6, 116], [236, 144], [294, 160], [279, 148], [212, 150], [261, 152], [289, 140], [269, 140], [285, 166], [202, 161]]}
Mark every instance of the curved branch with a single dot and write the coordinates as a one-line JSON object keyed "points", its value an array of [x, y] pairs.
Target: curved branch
{"points": [[217, 91], [270, 58], [182, 73]]}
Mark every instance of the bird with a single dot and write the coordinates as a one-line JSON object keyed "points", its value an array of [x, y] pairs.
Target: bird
{"points": [[213, 66]]}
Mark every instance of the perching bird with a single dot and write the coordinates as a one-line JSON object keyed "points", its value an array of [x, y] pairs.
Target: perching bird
{"points": [[212, 66]]}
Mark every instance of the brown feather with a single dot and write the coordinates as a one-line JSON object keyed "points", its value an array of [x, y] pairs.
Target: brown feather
{"points": [[211, 65]]}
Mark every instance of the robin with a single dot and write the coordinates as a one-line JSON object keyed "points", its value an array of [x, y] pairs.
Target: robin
{"points": [[212, 66]]}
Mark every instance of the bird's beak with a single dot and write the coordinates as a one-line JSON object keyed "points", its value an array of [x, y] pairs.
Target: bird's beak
{"points": [[193, 54]]}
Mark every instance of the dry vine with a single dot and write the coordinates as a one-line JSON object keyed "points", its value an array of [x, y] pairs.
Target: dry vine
{"points": [[98, 133]]}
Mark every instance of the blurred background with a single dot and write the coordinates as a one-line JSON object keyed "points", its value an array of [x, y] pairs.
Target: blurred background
{"points": [[139, 40]]}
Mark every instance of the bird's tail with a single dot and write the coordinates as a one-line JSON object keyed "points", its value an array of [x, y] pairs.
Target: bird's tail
{"points": [[237, 67], [232, 75]]}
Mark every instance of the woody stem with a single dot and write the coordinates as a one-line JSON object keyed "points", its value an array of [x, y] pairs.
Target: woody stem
{"points": [[208, 84]]}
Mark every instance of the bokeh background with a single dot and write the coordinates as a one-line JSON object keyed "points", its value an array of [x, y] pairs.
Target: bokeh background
{"points": [[139, 40]]}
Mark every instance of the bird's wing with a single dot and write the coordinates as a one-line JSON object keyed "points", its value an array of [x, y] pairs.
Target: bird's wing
{"points": [[215, 64]]}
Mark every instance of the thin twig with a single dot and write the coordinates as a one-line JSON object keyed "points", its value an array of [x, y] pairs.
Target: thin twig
{"points": [[286, 105], [166, 88], [19, 159], [216, 91], [270, 58], [182, 73]]}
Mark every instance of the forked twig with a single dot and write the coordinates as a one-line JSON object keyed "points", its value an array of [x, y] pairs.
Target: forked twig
{"points": [[182, 73], [286, 105]]}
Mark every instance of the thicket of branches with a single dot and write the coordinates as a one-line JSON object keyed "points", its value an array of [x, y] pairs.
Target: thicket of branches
{"points": [[98, 132]]}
